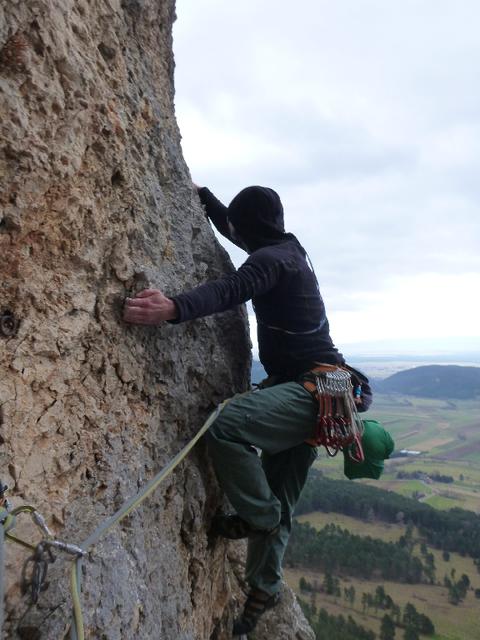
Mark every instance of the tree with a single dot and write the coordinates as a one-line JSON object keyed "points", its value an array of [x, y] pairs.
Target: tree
{"points": [[429, 567], [370, 601], [329, 584], [409, 532], [379, 597], [425, 625], [465, 580], [454, 595], [365, 601], [387, 628], [349, 594], [440, 528], [396, 613], [411, 634], [303, 584], [410, 615], [352, 595], [337, 592]]}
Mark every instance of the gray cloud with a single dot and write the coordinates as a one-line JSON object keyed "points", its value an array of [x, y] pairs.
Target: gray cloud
{"points": [[364, 116]]}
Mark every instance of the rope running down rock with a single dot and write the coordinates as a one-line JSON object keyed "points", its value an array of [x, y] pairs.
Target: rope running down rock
{"points": [[8, 517]]}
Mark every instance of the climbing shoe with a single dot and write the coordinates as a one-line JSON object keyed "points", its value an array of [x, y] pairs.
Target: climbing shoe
{"points": [[257, 603], [233, 527]]}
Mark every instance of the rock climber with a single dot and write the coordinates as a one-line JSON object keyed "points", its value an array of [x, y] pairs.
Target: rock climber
{"points": [[293, 335]]}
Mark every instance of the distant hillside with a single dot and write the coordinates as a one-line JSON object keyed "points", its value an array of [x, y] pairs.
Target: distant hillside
{"points": [[434, 381]]}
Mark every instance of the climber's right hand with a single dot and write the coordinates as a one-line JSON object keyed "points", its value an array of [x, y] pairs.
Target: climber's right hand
{"points": [[149, 307]]}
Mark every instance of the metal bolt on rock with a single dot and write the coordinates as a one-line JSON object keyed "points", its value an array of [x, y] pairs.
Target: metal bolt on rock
{"points": [[8, 324]]}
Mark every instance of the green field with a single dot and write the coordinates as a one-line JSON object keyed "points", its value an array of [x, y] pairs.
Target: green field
{"points": [[384, 530], [447, 433], [458, 622], [441, 429]]}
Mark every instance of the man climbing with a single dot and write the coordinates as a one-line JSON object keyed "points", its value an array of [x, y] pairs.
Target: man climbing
{"points": [[293, 335]]}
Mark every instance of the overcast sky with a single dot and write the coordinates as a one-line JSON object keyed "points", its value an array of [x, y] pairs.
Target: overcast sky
{"points": [[364, 115]]}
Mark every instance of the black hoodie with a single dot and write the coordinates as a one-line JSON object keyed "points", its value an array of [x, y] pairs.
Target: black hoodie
{"points": [[293, 331]]}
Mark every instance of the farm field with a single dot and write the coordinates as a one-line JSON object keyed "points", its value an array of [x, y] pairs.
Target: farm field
{"points": [[439, 428], [383, 530]]}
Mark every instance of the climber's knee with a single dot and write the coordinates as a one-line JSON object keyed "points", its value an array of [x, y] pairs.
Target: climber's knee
{"points": [[226, 425]]}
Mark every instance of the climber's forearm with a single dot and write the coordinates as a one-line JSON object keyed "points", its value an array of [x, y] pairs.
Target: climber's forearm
{"points": [[215, 210]]}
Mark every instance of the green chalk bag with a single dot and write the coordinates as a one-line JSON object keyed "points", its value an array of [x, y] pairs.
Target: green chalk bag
{"points": [[377, 446]]}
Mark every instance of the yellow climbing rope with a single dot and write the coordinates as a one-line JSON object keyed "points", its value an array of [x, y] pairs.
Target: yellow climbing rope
{"points": [[77, 628]]}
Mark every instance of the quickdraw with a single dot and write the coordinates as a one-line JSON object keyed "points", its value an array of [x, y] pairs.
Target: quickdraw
{"points": [[338, 426], [35, 567], [34, 579]]}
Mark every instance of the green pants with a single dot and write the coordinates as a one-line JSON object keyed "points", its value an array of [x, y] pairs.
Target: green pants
{"points": [[264, 490]]}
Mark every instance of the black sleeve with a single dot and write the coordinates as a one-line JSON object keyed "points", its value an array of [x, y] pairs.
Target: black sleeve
{"points": [[255, 277], [216, 212]]}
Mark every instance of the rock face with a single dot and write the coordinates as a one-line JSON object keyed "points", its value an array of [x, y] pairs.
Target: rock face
{"points": [[95, 204], [285, 622]]}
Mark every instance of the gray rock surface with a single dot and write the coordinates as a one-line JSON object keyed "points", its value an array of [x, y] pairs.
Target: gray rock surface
{"points": [[95, 204], [286, 621]]}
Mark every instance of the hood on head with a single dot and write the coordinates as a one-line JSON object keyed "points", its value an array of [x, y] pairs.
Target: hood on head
{"points": [[256, 214]]}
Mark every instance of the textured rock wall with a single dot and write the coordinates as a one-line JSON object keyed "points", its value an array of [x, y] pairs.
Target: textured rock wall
{"points": [[95, 203]]}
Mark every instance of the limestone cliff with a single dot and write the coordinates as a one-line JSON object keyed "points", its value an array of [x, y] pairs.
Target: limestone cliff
{"points": [[95, 203]]}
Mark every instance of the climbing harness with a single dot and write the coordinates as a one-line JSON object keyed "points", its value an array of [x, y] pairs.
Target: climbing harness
{"points": [[338, 427], [35, 568]]}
